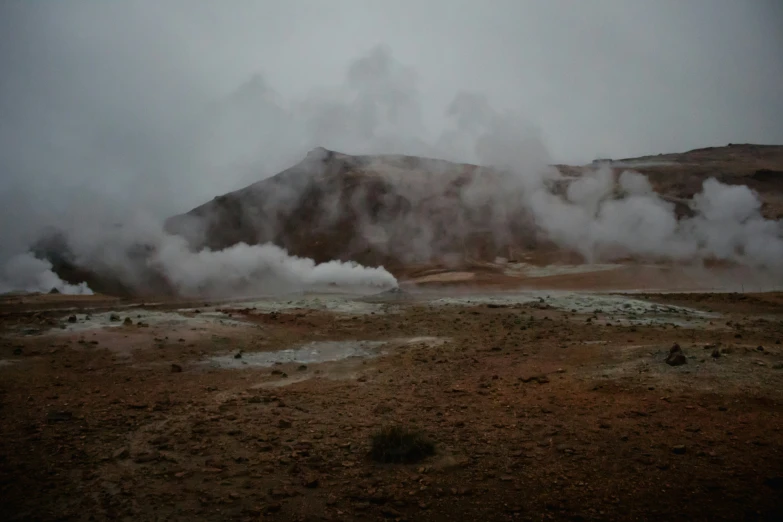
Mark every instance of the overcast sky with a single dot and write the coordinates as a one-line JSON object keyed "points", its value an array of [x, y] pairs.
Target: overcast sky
{"points": [[114, 103]]}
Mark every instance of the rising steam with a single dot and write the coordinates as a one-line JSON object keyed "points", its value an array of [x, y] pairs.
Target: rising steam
{"points": [[252, 133]]}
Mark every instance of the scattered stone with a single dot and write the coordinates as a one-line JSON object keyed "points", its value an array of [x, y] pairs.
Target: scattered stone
{"points": [[238, 355], [715, 353], [59, 416], [17, 351], [759, 348], [54, 291], [310, 482], [284, 424], [676, 357], [114, 318], [302, 367], [176, 368], [678, 450], [72, 319], [128, 322]]}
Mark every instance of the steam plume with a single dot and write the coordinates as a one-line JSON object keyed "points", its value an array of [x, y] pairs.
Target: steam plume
{"points": [[255, 132]]}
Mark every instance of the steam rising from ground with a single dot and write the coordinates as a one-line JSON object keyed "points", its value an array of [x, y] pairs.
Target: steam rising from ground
{"points": [[27, 273], [250, 270], [253, 133]]}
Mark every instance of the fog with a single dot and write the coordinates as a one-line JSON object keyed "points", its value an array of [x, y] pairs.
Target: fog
{"points": [[114, 110]]}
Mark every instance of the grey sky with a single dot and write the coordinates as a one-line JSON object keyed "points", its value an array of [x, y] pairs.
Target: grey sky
{"points": [[107, 105]]}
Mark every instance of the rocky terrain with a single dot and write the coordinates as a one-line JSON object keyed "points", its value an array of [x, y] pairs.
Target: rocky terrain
{"points": [[541, 405]]}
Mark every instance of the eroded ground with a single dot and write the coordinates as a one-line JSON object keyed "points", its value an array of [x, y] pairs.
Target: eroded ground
{"points": [[543, 406]]}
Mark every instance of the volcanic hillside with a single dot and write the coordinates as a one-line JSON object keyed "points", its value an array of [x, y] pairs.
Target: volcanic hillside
{"points": [[402, 210], [389, 210]]}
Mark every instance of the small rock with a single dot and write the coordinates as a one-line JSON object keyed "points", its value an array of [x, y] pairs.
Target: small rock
{"points": [[114, 318], [715, 353], [121, 453], [128, 322], [676, 357], [143, 458], [273, 508], [238, 355], [176, 368], [302, 367], [283, 424], [678, 450], [382, 409], [72, 319], [760, 348], [310, 482], [17, 351]]}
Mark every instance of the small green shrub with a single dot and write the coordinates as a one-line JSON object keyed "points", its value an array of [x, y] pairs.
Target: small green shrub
{"points": [[397, 444]]}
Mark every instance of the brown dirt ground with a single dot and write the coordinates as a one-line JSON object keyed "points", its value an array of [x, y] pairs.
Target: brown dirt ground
{"points": [[537, 414]]}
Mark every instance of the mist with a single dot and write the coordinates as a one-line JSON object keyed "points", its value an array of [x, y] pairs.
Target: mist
{"points": [[127, 113]]}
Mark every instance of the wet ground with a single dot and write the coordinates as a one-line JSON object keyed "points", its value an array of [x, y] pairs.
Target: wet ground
{"points": [[542, 404]]}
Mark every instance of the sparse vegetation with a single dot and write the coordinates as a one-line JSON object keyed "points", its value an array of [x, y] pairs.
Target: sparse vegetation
{"points": [[399, 444]]}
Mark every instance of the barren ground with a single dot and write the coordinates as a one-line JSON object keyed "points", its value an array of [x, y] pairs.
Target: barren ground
{"points": [[543, 405]]}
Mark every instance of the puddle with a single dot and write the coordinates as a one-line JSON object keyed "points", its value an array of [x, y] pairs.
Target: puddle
{"points": [[317, 352], [85, 322], [311, 353]]}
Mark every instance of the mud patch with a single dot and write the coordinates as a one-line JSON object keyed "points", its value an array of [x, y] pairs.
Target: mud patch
{"points": [[317, 352], [311, 353]]}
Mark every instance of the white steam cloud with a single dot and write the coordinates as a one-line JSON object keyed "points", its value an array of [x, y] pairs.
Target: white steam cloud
{"points": [[245, 269], [254, 133]]}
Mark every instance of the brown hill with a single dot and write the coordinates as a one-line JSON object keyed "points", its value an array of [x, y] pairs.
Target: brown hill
{"points": [[401, 211]]}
